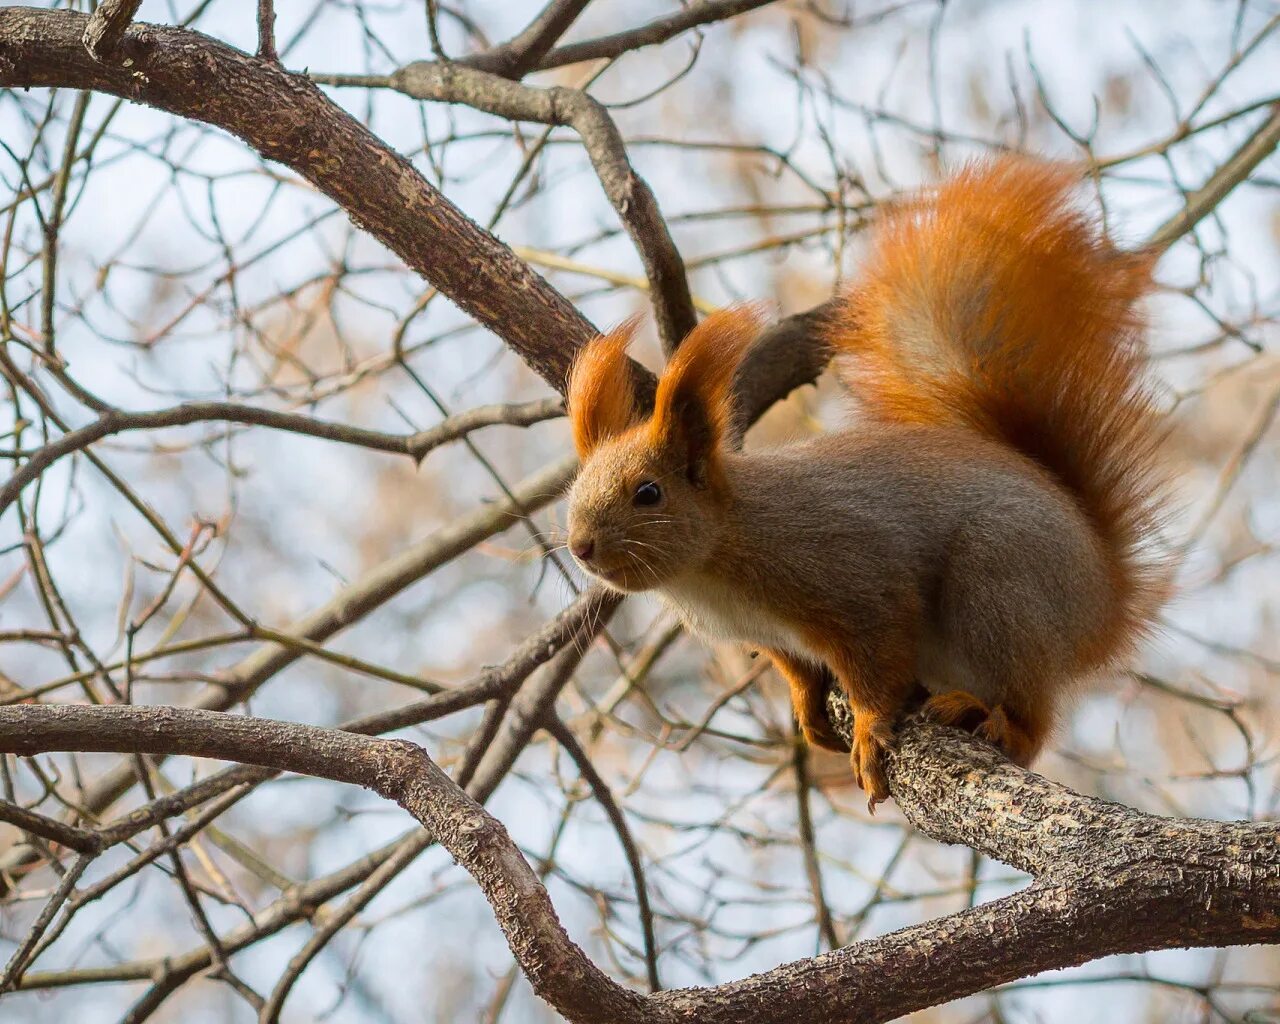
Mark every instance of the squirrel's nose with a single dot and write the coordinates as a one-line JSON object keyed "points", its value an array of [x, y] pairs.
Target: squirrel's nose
{"points": [[582, 549]]}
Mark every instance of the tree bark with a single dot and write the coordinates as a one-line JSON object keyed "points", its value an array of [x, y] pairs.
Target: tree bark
{"points": [[1108, 879]]}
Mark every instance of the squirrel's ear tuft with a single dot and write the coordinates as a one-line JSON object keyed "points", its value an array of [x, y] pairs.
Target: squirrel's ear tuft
{"points": [[602, 400], [695, 394]]}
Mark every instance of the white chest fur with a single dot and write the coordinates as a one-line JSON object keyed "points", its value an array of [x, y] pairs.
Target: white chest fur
{"points": [[716, 611]]}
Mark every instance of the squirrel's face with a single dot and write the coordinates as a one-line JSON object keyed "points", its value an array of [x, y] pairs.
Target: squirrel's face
{"points": [[647, 505], [635, 519]]}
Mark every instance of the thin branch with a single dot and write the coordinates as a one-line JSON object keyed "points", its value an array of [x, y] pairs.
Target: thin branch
{"points": [[72, 838], [378, 880], [1237, 168], [629, 194], [267, 31], [600, 790], [808, 842], [22, 955], [523, 53], [660, 30], [653, 33], [417, 446]]}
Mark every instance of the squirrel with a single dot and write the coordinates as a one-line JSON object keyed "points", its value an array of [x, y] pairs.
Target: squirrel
{"points": [[986, 529]]}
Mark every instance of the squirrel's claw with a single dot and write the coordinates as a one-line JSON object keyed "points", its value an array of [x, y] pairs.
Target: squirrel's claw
{"points": [[870, 742]]}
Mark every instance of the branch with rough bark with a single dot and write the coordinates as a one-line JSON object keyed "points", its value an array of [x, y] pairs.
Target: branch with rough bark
{"points": [[287, 118], [107, 26], [1108, 879]]}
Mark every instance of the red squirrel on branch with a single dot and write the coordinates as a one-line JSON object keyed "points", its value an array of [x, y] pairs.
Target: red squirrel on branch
{"points": [[985, 530]]}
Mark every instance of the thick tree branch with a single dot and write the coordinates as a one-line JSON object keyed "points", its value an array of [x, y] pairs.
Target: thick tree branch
{"points": [[496, 683], [396, 769], [1110, 880]]}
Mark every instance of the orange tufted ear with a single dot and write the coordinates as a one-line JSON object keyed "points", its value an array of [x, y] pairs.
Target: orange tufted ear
{"points": [[602, 400], [693, 404]]}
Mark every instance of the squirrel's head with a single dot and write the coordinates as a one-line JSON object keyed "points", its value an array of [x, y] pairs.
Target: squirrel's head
{"points": [[652, 488]]}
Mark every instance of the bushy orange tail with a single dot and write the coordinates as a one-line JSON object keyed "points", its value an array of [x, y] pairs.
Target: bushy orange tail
{"points": [[996, 303]]}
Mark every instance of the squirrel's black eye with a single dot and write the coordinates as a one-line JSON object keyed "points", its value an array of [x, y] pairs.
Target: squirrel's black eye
{"points": [[648, 493]]}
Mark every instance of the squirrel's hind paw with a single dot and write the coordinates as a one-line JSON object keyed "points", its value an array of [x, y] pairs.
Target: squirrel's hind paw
{"points": [[958, 709], [995, 725]]}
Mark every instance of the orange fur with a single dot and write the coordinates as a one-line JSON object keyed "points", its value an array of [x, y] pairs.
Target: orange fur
{"points": [[998, 304], [693, 403], [808, 685], [877, 678], [602, 398], [1019, 734]]}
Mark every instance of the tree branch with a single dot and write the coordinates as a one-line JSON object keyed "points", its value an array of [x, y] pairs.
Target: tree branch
{"points": [[629, 194], [1237, 168], [660, 30], [107, 26], [396, 769], [516, 58], [267, 31], [417, 446], [653, 33], [1111, 879], [50, 828]]}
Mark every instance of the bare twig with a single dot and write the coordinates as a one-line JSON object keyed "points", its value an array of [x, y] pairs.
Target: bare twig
{"points": [[267, 31], [1202, 202], [72, 838], [519, 56], [417, 445]]}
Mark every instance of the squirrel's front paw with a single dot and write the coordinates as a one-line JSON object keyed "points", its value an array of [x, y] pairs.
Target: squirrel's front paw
{"points": [[871, 738]]}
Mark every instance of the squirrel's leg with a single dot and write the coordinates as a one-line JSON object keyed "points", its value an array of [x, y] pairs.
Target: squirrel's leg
{"points": [[1017, 727], [878, 680], [957, 708], [808, 683]]}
